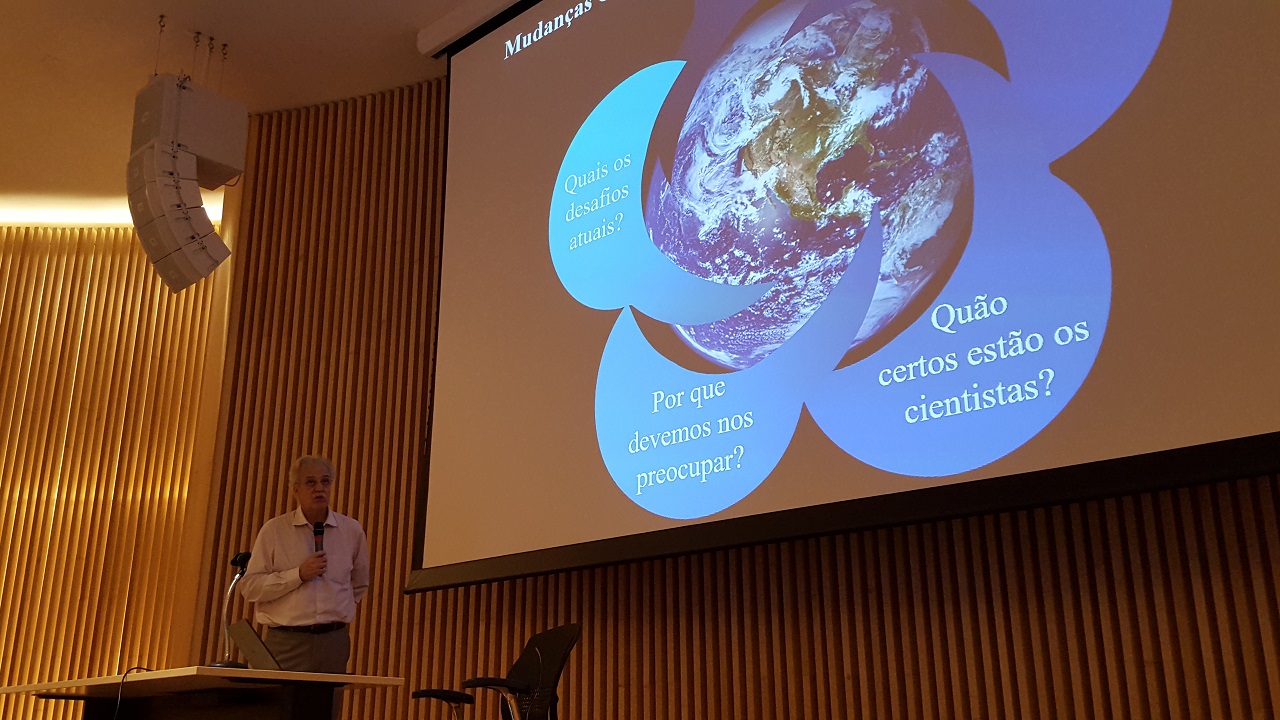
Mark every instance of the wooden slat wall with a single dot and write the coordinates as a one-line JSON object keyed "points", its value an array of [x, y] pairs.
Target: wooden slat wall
{"points": [[329, 338], [1151, 606], [102, 373]]}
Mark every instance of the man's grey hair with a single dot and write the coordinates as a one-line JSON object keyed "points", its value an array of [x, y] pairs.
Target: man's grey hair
{"points": [[295, 472]]}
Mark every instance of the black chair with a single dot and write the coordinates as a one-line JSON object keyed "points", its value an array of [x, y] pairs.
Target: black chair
{"points": [[529, 689]]}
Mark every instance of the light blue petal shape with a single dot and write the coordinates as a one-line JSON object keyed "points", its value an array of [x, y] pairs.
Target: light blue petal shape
{"points": [[600, 247], [684, 444]]}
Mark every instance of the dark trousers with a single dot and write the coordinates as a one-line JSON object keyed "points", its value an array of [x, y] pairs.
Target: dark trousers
{"points": [[305, 652], [318, 653]]}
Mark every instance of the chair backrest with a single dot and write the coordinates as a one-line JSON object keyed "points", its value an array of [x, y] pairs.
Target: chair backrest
{"points": [[539, 667]]}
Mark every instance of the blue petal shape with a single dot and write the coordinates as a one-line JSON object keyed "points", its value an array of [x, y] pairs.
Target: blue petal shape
{"points": [[1074, 63], [946, 396], [684, 444], [600, 247]]}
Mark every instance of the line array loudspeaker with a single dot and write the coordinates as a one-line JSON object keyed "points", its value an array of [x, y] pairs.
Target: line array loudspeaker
{"points": [[184, 138]]}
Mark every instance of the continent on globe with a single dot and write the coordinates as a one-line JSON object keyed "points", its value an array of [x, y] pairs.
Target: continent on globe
{"points": [[792, 138]]}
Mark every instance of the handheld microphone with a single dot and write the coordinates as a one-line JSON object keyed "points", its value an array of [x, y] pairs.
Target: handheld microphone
{"points": [[318, 530]]}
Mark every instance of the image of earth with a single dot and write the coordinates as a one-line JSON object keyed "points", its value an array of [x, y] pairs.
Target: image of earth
{"points": [[792, 137]]}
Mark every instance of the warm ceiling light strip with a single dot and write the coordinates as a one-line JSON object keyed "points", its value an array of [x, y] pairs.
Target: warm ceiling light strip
{"points": [[81, 212]]}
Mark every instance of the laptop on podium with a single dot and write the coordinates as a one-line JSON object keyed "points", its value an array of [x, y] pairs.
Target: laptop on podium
{"points": [[255, 651]]}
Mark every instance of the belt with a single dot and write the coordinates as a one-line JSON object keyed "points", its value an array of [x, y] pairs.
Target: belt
{"points": [[312, 629]]}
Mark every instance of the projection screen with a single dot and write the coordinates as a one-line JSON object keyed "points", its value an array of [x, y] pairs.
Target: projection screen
{"points": [[718, 271]]}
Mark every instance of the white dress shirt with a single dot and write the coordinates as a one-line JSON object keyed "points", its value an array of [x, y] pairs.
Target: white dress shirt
{"points": [[275, 587]]}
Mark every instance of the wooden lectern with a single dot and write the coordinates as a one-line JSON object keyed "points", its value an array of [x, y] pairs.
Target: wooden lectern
{"points": [[205, 693]]}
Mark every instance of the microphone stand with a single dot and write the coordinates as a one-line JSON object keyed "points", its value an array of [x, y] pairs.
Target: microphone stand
{"points": [[241, 563]]}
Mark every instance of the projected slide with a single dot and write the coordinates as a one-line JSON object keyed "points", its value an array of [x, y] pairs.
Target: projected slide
{"points": [[824, 170], [720, 271]]}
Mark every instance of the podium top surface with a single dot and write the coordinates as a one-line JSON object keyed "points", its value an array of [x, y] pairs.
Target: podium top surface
{"points": [[188, 679]]}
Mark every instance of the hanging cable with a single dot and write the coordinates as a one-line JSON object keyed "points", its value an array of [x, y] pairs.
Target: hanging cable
{"points": [[120, 692], [159, 37], [222, 67], [194, 50], [208, 60]]}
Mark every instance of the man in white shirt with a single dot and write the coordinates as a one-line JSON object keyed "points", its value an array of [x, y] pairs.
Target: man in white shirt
{"points": [[304, 582]]}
